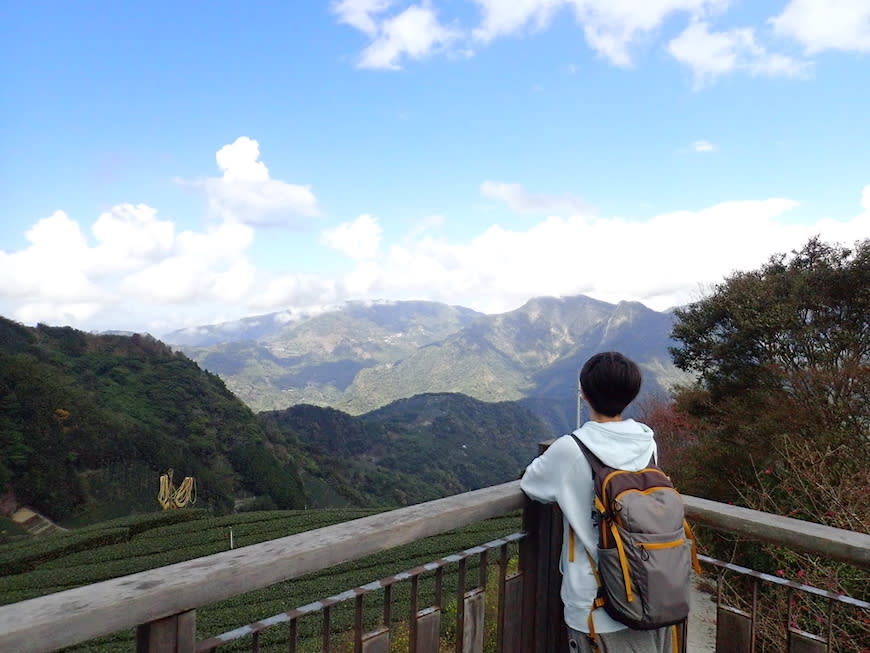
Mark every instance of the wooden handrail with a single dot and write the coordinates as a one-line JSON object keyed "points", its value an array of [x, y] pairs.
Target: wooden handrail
{"points": [[833, 543], [77, 615], [73, 616]]}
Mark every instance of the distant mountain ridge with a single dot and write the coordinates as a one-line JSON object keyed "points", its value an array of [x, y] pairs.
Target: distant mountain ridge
{"points": [[362, 356]]}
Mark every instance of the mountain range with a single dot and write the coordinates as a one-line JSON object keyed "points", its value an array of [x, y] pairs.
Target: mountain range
{"points": [[361, 356]]}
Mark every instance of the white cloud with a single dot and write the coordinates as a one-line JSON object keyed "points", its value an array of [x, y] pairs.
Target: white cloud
{"points": [[414, 33], [201, 266], [239, 161], [703, 146], [821, 25], [136, 261], [361, 13], [165, 279], [611, 27], [62, 313], [502, 18], [712, 54], [302, 291], [128, 236], [661, 261], [235, 283], [52, 268], [521, 201], [246, 193], [358, 239]]}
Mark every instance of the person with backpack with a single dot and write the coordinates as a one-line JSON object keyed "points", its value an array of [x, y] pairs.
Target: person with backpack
{"points": [[627, 552]]}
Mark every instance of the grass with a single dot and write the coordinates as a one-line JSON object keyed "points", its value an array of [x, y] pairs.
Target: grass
{"points": [[142, 542]]}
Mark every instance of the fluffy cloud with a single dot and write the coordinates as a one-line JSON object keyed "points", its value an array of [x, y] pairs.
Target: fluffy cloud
{"points": [[821, 25], [53, 267], [246, 193], [309, 292], [413, 33], [611, 27], [136, 269], [128, 236], [135, 260], [399, 31], [712, 54], [507, 18], [358, 239], [199, 267], [521, 201], [361, 14], [663, 262]]}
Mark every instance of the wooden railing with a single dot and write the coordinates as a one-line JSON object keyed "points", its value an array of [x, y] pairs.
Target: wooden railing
{"points": [[162, 603]]}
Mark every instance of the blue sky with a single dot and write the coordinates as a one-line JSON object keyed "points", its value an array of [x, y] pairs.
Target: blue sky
{"points": [[168, 164]]}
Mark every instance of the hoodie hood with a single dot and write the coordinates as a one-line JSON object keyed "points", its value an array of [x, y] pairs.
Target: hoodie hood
{"points": [[626, 444]]}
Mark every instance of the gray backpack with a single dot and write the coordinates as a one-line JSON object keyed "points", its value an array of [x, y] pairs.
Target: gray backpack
{"points": [[646, 550]]}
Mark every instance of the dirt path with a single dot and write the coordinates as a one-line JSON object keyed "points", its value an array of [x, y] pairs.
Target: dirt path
{"points": [[34, 523]]}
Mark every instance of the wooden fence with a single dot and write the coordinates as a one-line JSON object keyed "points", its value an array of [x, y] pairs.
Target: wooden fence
{"points": [[162, 603]]}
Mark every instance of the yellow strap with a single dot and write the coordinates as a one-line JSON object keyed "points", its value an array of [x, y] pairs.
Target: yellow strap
{"points": [[623, 563], [570, 544], [696, 565], [675, 642], [652, 546], [597, 603], [594, 569]]}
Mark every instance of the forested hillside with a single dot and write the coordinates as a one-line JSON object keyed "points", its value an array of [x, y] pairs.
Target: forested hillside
{"points": [[88, 423], [412, 450]]}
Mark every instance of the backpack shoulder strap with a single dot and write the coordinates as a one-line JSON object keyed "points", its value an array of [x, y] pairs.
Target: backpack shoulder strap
{"points": [[593, 460]]}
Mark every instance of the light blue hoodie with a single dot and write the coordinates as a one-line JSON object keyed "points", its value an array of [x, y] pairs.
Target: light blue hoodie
{"points": [[562, 475]]}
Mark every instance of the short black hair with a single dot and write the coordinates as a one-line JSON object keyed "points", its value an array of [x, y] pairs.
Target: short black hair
{"points": [[610, 382]]}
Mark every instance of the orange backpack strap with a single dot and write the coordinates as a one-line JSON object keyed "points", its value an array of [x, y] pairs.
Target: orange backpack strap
{"points": [[696, 565]]}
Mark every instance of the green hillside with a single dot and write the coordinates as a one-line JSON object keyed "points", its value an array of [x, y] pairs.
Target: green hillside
{"points": [[87, 423], [412, 450]]}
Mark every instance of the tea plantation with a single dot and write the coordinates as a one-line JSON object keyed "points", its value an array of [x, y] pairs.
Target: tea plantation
{"points": [[31, 568]]}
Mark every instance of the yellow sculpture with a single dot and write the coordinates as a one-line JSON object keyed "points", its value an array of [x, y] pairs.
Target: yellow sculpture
{"points": [[171, 497]]}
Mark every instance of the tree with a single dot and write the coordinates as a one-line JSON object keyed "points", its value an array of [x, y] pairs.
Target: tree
{"points": [[784, 349], [782, 405]]}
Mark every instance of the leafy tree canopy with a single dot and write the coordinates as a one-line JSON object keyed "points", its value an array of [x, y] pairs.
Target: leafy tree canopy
{"points": [[781, 351]]}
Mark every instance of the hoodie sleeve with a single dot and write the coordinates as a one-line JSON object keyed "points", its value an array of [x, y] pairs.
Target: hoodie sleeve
{"points": [[545, 476]]}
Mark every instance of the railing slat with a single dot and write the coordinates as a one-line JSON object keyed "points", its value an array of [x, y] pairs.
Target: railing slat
{"points": [[428, 630], [472, 625]]}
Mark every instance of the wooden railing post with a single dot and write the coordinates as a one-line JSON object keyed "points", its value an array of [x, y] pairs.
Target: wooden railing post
{"points": [[543, 625], [173, 634]]}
